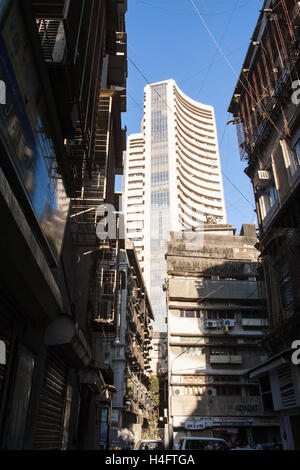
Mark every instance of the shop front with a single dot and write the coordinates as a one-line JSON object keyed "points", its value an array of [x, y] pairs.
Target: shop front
{"points": [[244, 430]]}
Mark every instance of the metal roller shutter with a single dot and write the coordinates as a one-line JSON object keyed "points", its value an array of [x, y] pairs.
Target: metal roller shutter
{"points": [[52, 402]]}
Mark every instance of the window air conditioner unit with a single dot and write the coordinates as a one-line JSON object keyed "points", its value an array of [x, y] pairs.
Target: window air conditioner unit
{"points": [[262, 178], [229, 323], [211, 324]]}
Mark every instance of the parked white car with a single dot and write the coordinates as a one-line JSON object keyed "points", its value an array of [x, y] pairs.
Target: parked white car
{"points": [[203, 443]]}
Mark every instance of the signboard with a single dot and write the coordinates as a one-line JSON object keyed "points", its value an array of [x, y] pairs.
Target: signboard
{"points": [[25, 130]]}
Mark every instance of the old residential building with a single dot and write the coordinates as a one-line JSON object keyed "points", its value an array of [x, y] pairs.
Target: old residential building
{"points": [[64, 65], [265, 106], [216, 316]]}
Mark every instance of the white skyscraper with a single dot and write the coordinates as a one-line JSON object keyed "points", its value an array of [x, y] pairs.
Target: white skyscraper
{"points": [[172, 181]]}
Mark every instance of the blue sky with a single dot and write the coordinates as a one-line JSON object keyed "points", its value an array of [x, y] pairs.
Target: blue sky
{"points": [[167, 39]]}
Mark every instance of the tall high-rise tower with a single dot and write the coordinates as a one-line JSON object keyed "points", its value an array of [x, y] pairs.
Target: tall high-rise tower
{"points": [[172, 180]]}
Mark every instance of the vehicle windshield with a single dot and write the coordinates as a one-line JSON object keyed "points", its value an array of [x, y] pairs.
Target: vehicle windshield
{"points": [[152, 445]]}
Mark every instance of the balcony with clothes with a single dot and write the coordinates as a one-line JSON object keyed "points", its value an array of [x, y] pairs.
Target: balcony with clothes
{"points": [[269, 69]]}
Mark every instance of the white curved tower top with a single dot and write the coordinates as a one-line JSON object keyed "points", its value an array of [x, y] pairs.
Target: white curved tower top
{"points": [[172, 180]]}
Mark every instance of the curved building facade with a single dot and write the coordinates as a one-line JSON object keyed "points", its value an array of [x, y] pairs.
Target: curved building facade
{"points": [[173, 180]]}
